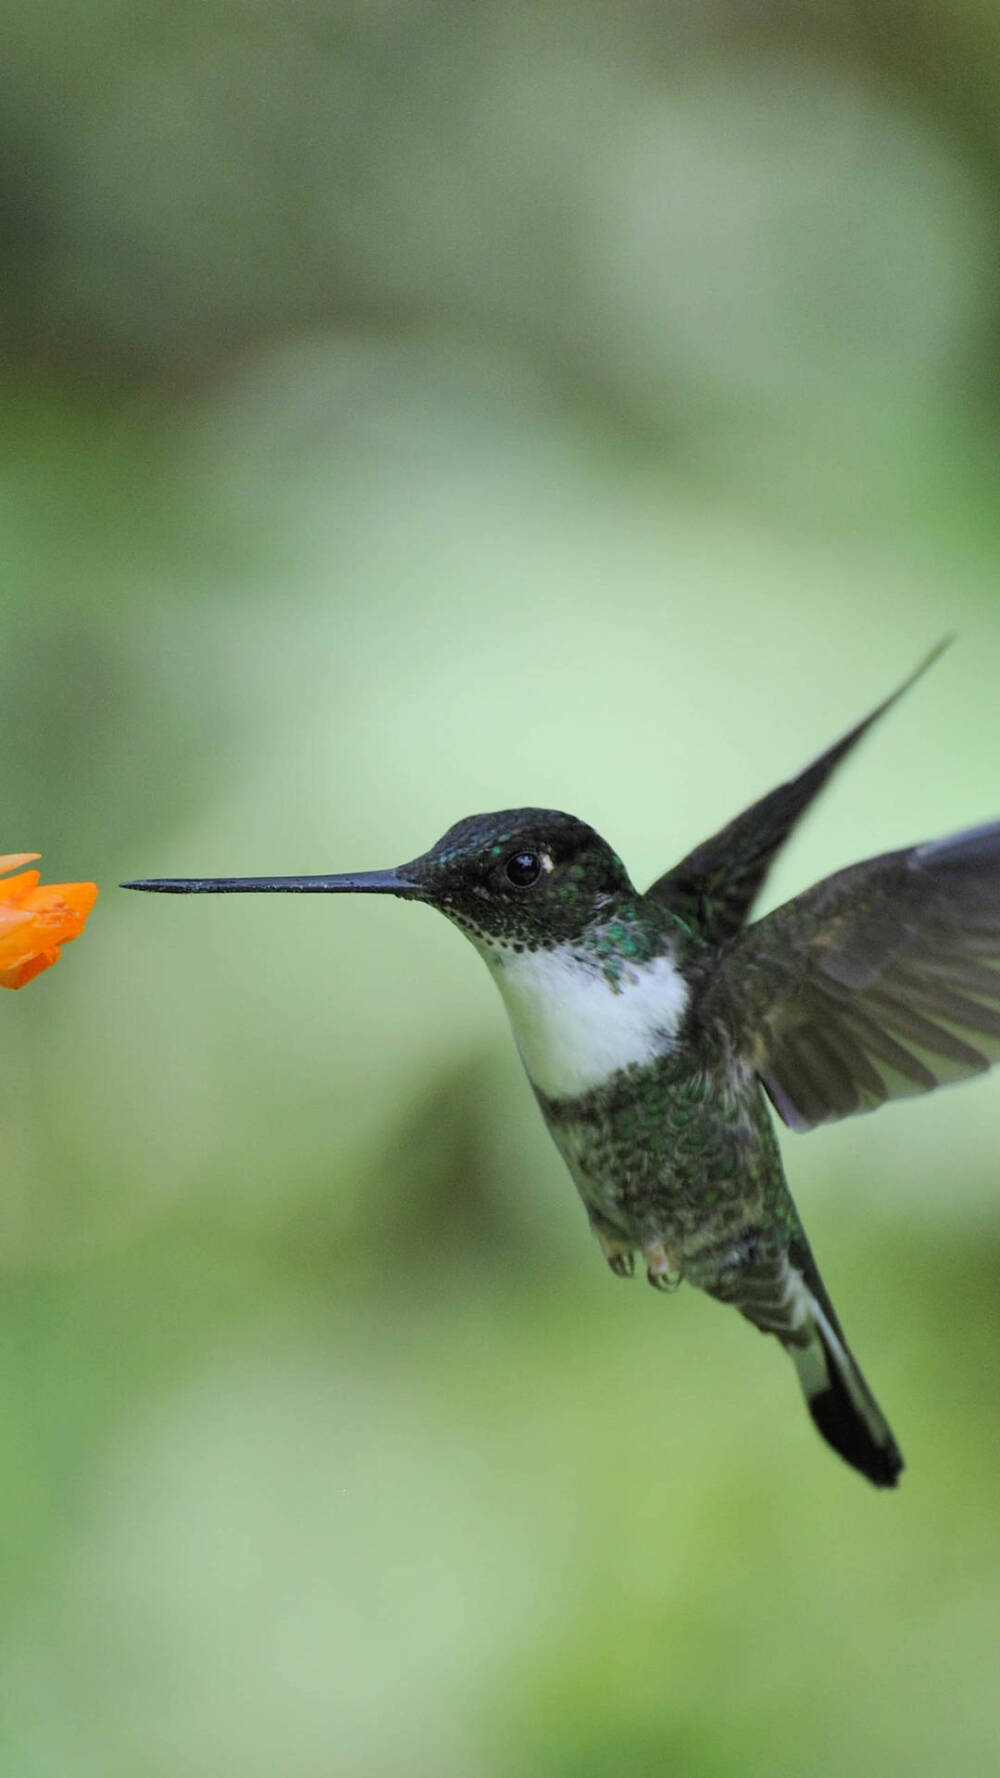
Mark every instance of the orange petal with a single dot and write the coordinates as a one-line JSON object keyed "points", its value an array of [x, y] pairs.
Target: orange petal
{"points": [[31, 966], [12, 918], [12, 888], [59, 909], [11, 860], [35, 919], [18, 937], [80, 896]]}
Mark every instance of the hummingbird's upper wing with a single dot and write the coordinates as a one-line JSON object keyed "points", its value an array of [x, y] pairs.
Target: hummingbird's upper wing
{"points": [[714, 885], [880, 981]]}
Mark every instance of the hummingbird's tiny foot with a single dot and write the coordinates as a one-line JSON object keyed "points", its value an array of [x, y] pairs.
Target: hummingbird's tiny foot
{"points": [[620, 1259], [662, 1268]]}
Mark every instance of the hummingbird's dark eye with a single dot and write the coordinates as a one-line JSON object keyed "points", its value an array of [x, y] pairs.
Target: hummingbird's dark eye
{"points": [[523, 869]]}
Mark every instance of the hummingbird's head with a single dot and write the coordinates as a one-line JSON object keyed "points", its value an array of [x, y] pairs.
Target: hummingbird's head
{"points": [[525, 879]]}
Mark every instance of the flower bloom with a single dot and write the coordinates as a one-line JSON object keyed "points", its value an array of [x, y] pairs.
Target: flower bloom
{"points": [[35, 919]]}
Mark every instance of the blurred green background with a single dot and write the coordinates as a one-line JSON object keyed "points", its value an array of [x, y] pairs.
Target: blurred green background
{"points": [[412, 409]]}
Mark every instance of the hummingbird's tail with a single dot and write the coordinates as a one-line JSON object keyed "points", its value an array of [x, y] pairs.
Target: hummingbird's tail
{"points": [[779, 1289], [842, 1406]]}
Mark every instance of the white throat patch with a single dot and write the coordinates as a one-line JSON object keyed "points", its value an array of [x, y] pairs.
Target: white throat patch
{"points": [[572, 1028]]}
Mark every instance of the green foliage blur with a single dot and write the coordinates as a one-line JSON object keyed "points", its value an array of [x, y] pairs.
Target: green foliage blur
{"points": [[412, 409]]}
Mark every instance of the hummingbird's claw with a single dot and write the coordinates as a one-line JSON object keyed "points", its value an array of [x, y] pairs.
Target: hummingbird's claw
{"points": [[620, 1259], [662, 1267]]}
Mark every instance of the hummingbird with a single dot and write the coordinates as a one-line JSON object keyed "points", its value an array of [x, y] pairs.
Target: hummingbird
{"points": [[659, 1029]]}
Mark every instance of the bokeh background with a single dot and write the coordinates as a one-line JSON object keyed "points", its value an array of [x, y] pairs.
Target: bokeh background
{"points": [[410, 409]]}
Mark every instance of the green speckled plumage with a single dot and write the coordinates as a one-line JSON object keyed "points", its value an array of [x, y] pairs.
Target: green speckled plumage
{"points": [[677, 1154]]}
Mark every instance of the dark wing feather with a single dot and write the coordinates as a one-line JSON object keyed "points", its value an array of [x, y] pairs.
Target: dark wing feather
{"points": [[715, 885], [880, 981]]}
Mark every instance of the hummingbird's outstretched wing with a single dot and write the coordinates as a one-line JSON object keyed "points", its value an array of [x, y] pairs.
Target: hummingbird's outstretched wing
{"points": [[714, 885], [880, 981]]}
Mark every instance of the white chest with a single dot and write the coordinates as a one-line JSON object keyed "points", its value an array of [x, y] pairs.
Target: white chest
{"points": [[573, 1029]]}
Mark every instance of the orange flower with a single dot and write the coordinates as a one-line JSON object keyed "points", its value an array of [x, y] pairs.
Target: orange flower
{"points": [[36, 919]]}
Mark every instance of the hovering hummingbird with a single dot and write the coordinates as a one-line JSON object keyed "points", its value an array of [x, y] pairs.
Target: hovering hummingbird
{"points": [[653, 1025]]}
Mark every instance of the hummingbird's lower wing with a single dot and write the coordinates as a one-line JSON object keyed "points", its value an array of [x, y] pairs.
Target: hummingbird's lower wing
{"points": [[715, 885], [881, 981]]}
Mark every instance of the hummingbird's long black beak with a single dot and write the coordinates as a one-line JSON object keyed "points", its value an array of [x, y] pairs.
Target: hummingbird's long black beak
{"points": [[365, 882]]}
